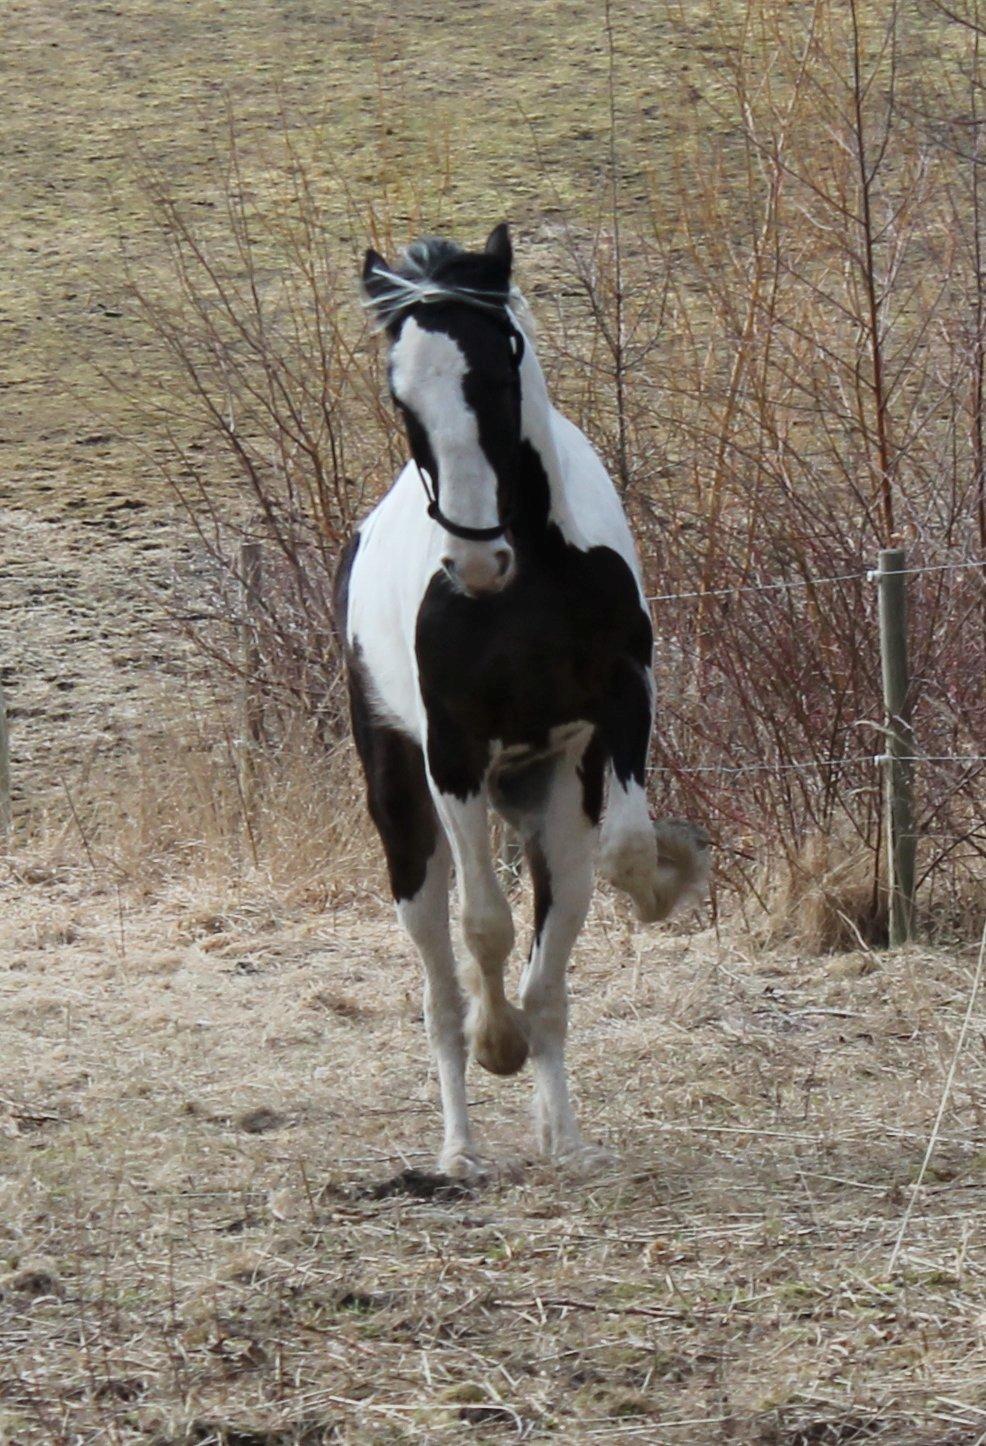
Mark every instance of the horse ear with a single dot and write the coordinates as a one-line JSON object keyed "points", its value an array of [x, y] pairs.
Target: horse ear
{"points": [[498, 246]]}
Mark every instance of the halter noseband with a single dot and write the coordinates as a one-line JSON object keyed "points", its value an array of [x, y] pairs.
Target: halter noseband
{"points": [[456, 529], [468, 534]]}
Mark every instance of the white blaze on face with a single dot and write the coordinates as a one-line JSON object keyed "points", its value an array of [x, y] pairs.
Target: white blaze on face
{"points": [[427, 370]]}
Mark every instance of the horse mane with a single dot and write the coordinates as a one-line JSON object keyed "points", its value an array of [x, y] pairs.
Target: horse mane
{"points": [[435, 271]]}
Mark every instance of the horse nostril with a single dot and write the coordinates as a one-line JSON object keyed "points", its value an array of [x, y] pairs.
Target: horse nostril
{"points": [[503, 559], [449, 565]]}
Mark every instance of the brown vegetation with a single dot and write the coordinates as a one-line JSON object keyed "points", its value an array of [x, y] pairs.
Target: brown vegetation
{"points": [[779, 376], [217, 1222]]}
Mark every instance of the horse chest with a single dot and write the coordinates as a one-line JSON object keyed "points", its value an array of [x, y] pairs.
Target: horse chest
{"points": [[540, 654]]}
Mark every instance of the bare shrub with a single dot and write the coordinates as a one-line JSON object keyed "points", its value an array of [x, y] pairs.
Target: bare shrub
{"points": [[803, 368], [274, 418], [779, 356]]}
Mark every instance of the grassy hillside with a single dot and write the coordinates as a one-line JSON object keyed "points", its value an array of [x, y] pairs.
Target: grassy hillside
{"points": [[429, 114], [718, 351]]}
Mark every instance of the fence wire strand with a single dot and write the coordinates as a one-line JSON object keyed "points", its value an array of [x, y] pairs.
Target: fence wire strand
{"points": [[870, 759], [869, 575], [812, 765]]}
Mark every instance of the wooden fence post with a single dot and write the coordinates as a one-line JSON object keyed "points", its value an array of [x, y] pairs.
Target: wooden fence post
{"points": [[251, 701], [5, 812], [899, 743]]}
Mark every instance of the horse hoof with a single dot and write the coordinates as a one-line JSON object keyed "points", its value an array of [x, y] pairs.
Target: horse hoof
{"points": [[461, 1164], [684, 845], [500, 1042], [582, 1160]]}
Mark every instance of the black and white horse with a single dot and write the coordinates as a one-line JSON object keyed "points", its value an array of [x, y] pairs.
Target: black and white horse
{"points": [[499, 653]]}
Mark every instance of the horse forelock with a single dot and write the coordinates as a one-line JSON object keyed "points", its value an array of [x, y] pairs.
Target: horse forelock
{"points": [[434, 271], [399, 296]]}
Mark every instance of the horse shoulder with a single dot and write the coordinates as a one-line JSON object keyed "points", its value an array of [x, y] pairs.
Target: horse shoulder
{"points": [[388, 576], [590, 493]]}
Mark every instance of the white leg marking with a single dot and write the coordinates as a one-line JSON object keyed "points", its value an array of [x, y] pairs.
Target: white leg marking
{"points": [[425, 917], [496, 1030], [562, 849], [628, 857], [658, 865]]}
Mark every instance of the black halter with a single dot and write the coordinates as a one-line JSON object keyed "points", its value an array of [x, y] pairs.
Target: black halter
{"points": [[469, 534], [456, 529]]}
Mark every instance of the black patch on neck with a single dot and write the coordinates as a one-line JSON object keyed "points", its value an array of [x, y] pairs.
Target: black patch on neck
{"points": [[532, 502]]}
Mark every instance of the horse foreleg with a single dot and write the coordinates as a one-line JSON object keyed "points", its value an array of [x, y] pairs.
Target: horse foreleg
{"points": [[426, 919], [560, 850], [496, 1030], [419, 865], [658, 864]]}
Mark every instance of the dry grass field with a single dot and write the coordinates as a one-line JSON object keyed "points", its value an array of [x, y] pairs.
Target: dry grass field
{"points": [[218, 1223], [213, 1102]]}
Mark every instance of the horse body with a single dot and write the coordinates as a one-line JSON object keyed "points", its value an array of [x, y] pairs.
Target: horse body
{"points": [[498, 662], [397, 562]]}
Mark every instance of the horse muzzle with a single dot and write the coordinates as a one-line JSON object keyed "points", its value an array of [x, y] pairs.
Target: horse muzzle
{"points": [[479, 569]]}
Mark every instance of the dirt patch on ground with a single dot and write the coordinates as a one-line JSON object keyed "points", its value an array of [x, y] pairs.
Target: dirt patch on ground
{"points": [[220, 1222]]}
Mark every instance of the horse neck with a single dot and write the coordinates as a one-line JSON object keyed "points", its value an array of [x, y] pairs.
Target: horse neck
{"points": [[537, 429]]}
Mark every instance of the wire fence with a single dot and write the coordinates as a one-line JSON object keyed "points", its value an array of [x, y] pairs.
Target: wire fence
{"points": [[798, 584], [867, 759], [793, 584], [749, 719]]}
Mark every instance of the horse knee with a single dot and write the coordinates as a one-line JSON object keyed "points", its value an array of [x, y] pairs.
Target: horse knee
{"points": [[444, 1011], [630, 860], [660, 868], [489, 933], [545, 1005]]}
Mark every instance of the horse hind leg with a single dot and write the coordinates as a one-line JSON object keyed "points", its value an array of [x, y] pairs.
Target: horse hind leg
{"points": [[495, 1028], [560, 851]]}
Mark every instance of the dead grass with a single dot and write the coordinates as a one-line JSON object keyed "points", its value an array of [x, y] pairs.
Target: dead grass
{"points": [[214, 1090], [203, 1087], [823, 898]]}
